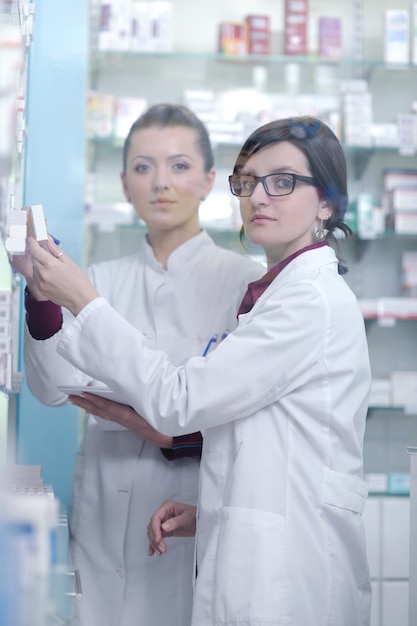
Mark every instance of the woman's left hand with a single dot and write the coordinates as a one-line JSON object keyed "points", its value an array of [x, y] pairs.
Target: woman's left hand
{"points": [[121, 414], [59, 278]]}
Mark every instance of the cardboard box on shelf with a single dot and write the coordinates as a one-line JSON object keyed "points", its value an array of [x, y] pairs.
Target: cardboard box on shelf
{"points": [[127, 111], [232, 38], [404, 388], [258, 34], [404, 178], [396, 36], [100, 115], [295, 27], [405, 223], [151, 26], [330, 37]]}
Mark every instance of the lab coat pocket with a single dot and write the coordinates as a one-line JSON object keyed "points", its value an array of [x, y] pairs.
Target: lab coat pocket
{"points": [[249, 582], [345, 491], [344, 499]]}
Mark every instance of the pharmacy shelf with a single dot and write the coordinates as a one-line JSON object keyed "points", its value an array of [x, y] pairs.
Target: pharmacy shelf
{"points": [[103, 57]]}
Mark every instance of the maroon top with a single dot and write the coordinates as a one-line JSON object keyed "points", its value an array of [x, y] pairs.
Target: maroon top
{"points": [[256, 289]]}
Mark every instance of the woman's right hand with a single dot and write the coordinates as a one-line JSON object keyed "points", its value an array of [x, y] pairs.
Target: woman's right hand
{"points": [[172, 519]]}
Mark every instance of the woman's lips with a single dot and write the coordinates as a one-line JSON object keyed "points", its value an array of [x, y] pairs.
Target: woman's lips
{"points": [[261, 218]]}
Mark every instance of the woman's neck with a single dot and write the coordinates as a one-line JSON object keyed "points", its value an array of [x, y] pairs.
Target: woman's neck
{"points": [[163, 243]]}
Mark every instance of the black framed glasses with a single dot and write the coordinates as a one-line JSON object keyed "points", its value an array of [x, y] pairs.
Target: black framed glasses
{"points": [[280, 184]]}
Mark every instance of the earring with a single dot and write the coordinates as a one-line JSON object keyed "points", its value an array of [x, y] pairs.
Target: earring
{"points": [[319, 231]]}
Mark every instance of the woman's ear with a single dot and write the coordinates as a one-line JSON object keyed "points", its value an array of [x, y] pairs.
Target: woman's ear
{"points": [[325, 211], [125, 187], [209, 183]]}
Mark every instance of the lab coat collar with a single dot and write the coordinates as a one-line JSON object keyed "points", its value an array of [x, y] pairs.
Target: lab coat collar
{"points": [[193, 249]]}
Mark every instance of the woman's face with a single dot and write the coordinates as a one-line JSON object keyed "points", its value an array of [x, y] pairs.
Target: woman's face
{"points": [[165, 178], [281, 224]]}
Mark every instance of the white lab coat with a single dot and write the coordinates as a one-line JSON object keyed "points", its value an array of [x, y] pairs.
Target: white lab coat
{"points": [[282, 403], [119, 479]]}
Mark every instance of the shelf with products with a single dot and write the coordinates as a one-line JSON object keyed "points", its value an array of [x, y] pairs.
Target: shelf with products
{"points": [[271, 88], [16, 23], [383, 279], [234, 96]]}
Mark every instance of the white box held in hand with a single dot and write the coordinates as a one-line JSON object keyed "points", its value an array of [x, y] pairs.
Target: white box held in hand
{"points": [[36, 223]]}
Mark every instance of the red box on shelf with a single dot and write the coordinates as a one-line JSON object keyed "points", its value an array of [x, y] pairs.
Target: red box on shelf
{"points": [[258, 34], [232, 38], [295, 27]]}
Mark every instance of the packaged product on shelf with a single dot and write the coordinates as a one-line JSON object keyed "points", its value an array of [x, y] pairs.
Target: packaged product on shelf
{"points": [[100, 115], [380, 392], [400, 198], [29, 518], [15, 242], [114, 25], [330, 37], [384, 135], [407, 133], [399, 177], [365, 210], [404, 199], [232, 38], [404, 388], [405, 222], [397, 308], [127, 110], [357, 118], [377, 482], [396, 36], [11, 52], [202, 102], [295, 27], [409, 272], [151, 26], [258, 32]]}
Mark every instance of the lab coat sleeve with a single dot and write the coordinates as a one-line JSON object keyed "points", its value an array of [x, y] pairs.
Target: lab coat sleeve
{"points": [[45, 369], [270, 351]]}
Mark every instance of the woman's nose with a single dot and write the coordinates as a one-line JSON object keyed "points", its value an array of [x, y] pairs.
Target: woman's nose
{"points": [[259, 194], [160, 181], [158, 186]]}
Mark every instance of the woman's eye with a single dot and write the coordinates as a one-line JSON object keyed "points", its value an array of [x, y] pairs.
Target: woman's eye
{"points": [[181, 166], [141, 167], [247, 184], [283, 182]]}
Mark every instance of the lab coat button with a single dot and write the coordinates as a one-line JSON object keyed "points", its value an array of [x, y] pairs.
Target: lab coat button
{"points": [[120, 572]]}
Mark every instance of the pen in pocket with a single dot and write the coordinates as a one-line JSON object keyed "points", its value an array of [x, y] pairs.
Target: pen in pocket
{"points": [[213, 340]]}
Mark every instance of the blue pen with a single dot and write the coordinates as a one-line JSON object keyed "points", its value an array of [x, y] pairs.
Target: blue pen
{"points": [[214, 339], [210, 343], [55, 240]]}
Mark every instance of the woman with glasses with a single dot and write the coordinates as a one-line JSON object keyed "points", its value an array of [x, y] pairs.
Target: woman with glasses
{"points": [[282, 401]]}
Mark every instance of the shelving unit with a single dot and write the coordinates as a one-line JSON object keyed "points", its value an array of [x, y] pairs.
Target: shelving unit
{"points": [[16, 24], [35, 597]]}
